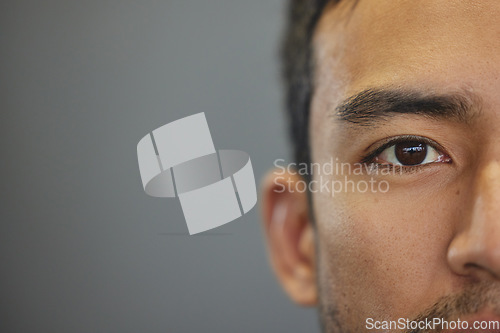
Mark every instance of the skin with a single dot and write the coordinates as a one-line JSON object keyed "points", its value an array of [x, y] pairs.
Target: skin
{"points": [[436, 232]]}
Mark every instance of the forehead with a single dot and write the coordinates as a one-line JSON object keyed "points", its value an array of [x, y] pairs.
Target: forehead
{"points": [[426, 42]]}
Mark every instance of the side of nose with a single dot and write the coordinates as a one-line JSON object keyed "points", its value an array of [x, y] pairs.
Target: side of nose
{"points": [[475, 249]]}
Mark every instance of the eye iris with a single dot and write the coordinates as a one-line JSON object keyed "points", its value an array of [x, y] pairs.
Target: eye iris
{"points": [[410, 153]]}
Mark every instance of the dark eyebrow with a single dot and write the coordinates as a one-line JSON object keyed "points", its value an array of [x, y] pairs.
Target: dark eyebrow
{"points": [[374, 105]]}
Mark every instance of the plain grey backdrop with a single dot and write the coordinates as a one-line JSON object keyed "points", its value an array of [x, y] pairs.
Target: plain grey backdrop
{"points": [[82, 247]]}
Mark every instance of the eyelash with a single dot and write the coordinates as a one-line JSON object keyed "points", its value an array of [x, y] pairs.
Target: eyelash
{"points": [[369, 158]]}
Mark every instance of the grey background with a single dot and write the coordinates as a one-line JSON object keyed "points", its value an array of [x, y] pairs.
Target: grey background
{"points": [[82, 247]]}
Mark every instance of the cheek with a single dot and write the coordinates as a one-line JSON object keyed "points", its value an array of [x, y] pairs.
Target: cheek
{"points": [[384, 255]]}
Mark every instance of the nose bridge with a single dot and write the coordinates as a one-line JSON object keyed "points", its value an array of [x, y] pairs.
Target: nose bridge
{"points": [[486, 211]]}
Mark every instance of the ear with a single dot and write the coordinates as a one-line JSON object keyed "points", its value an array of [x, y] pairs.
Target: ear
{"points": [[290, 235]]}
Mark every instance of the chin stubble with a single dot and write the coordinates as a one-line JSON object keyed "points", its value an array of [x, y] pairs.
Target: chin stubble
{"points": [[471, 300]]}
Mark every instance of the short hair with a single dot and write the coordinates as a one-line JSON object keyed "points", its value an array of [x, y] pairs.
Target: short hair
{"points": [[298, 69]]}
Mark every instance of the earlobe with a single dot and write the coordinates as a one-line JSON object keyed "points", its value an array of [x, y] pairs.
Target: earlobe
{"points": [[290, 236]]}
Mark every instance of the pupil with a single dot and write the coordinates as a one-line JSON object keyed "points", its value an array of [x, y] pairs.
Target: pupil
{"points": [[411, 153]]}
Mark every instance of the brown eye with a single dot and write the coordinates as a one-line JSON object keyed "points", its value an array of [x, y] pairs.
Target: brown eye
{"points": [[410, 153]]}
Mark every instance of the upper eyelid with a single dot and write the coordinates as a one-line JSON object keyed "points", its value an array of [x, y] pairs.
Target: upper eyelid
{"points": [[387, 142]]}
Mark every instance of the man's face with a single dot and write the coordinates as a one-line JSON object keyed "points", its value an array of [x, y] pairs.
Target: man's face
{"points": [[430, 112], [436, 231]]}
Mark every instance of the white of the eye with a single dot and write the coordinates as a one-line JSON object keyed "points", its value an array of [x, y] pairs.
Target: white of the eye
{"points": [[389, 155]]}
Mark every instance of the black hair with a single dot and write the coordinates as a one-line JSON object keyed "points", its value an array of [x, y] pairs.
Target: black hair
{"points": [[298, 70]]}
